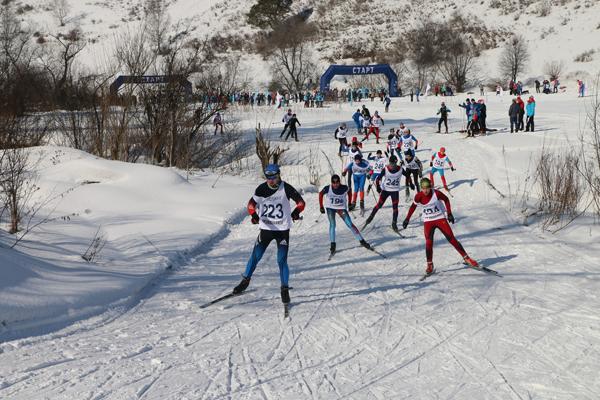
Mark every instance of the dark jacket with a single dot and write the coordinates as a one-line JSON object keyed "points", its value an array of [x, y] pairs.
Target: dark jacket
{"points": [[514, 110]]}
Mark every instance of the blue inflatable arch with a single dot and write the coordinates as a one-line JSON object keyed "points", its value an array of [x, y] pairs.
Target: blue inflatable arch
{"points": [[384, 69]]}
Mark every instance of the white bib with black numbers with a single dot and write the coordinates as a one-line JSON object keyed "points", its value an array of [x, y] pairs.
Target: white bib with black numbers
{"points": [[360, 169], [412, 164], [336, 201], [391, 181], [439, 162], [408, 143], [379, 165], [351, 154], [341, 134], [274, 211], [433, 210]]}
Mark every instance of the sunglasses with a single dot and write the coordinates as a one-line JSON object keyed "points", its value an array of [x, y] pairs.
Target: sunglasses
{"points": [[271, 177]]}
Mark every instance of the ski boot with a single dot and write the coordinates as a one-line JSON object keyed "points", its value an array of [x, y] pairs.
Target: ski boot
{"points": [[364, 244], [368, 221], [362, 205], [351, 206], [430, 268], [242, 286], [470, 262], [395, 227], [332, 247], [285, 295]]}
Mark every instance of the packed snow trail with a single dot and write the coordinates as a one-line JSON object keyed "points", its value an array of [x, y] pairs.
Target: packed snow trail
{"points": [[360, 327]]}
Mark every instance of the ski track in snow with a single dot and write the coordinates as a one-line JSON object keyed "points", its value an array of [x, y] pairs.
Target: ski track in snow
{"points": [[360, 326]]}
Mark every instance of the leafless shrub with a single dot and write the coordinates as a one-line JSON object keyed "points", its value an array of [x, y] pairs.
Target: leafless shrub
{"points": [[266, 151], [96, 245], [17, 185], [314, 169], [560, 185], [544, 8], [586, 56]]}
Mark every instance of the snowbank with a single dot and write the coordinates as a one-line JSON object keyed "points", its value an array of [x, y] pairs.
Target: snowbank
{"points": [[149, 218]]}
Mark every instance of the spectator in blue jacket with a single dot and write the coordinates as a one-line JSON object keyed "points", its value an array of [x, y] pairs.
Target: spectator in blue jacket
{"points": [[530, 111], [357, 118]]}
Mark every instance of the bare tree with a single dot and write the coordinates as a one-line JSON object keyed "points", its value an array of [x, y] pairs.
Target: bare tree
{"points": [[554, 69], [425, 48], [157, 22], [458, 61], [61, 10], [289, 49], [514, 58]]}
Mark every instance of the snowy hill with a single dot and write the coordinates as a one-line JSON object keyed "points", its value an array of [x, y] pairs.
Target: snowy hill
{"points": [[357, 31]]}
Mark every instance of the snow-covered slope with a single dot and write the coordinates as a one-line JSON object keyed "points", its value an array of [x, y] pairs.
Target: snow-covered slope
{"points": [[361, 327]]}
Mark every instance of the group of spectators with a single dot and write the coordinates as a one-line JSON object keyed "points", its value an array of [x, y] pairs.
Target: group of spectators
{"points": [[518, 110], [476, 112], [546, 85]]}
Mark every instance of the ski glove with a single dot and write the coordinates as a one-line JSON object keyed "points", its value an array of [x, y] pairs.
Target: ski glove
{"points": [[378, 189], [343, 173], [431, 164], [452, 168], [404, 224], [295, 215], [322, 209], [451, 218], [255, 219]]}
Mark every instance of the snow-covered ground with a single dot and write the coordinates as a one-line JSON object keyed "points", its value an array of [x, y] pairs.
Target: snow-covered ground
{"points": [[361, 327]]}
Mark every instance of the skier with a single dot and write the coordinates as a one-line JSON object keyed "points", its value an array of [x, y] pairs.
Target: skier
{"points": [[365, 112], [443, 113], [376, 123], [340, 134], [393, 144], [293, 130], [366, 122], [378, 162], [286, 120], [355, 147], [413, 171], [359, 169], [218, 122], [388, 185], [337, 197], [270, 209], [387, 102], [408, 142], [436, 215], [437, 164]]}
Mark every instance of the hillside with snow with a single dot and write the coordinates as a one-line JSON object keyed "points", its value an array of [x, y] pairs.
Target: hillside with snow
{"points": [[352, 31]]}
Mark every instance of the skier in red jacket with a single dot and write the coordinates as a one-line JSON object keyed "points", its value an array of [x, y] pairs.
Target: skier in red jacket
{"points": [[436, 216]]}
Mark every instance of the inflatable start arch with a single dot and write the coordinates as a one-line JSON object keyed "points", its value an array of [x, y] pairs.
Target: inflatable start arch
{"points": [[384, 69]]}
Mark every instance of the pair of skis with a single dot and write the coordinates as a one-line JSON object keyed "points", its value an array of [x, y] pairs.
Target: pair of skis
{"points": [[480, 268], [370, 248], [286, 306]]}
